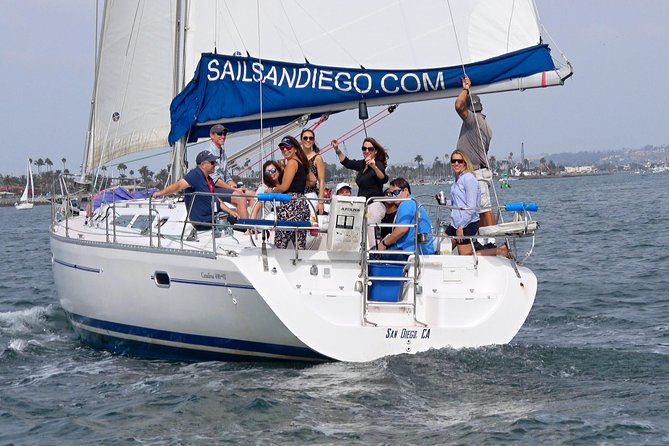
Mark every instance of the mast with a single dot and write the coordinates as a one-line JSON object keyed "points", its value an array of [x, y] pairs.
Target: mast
{"points": [[88, 152], [179, 151]]}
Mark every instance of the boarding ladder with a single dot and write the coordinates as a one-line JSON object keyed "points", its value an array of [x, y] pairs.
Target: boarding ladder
{"points": [[409, 261]]}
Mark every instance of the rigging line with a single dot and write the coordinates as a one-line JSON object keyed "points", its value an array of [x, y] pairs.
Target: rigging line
{"points": [[141, 158], [329, 32], [234, 23], [96, 60], [215, 27], [545, 30], [262, 81], [457, 40], [345, 137], [478, 127], [508, 28], [292, 29]]}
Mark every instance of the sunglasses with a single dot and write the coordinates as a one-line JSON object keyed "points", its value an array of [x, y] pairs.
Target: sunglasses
{"points": [[271, 171], [367, 149], [457, 161], [394, 193], [284, 148], [213, 163], [307, 138], [223, 133]]}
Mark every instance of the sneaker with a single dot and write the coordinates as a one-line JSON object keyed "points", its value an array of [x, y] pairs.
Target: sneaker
{"points": [[489, 246]]}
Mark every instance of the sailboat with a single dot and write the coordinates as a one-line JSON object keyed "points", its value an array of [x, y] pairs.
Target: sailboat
{"points": [[28, 195], [135, 277]]}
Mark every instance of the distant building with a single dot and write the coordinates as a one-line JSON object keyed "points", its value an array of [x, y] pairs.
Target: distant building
{"points": [[579, 169]]}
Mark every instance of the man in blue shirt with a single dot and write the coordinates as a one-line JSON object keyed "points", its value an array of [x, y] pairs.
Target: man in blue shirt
{"points": [[197, 180], [404, 238]]}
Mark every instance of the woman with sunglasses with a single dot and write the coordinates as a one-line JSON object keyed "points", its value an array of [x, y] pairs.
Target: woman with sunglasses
{"points": [[370, 179], [317, 167], [295, 179], [466, 200], [271, 175]]}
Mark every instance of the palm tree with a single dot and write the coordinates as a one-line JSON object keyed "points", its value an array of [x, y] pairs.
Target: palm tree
{"points": [[493, 163], [121, 168], [48, 163], [63, 160], [437, 167], [419, 160], [39, 163], [144, 172], [161, 177]]}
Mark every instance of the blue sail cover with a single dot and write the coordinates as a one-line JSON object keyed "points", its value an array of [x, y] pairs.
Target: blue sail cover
{"points": [[227, 88]]}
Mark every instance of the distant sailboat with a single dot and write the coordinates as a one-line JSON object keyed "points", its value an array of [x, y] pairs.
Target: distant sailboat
{"points": [[26, 201]]}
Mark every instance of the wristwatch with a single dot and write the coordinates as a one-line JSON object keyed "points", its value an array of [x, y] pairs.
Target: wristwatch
{"points": [[383, 242]]}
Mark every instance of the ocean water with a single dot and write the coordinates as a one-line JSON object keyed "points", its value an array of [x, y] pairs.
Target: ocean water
{"points": [[590, 366]]}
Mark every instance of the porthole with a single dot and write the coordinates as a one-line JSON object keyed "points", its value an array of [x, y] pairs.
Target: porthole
{"points": [[162, 279]]}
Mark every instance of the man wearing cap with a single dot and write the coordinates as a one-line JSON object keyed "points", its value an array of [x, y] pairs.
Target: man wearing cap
{"points": [[221, 176], [343, 189], [474, 140], [198, 180]]}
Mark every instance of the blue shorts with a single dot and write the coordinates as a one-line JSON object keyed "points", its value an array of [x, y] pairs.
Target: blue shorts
{"points": [[471, 229]]}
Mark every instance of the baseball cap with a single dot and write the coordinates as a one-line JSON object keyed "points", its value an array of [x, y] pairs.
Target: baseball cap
{"points": [[341, 186], [474, 103], [218, 128], [205, 155], [286, 141]]}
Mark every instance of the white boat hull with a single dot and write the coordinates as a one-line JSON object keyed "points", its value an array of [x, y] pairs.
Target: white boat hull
{"points": [[24, 205], [228, 307]]}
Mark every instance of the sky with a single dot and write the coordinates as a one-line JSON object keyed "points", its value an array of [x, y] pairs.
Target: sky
{"points": [[616, 98]]}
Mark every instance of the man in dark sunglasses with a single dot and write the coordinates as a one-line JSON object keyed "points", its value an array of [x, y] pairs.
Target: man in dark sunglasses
{"points": [[403, 238], [221, 176]]}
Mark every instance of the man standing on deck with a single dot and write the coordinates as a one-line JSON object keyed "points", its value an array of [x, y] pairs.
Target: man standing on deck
{"points": [[474, 140], [221, 176]]}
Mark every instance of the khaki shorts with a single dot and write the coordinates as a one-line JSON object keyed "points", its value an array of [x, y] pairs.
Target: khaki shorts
{"points": [[485, 180]]}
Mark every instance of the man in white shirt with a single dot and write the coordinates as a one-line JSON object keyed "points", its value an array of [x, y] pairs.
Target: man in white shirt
{"points": [[242, 198]]}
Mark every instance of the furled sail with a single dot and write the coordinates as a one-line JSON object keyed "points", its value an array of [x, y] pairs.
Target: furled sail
{"points": [[313, 57]]}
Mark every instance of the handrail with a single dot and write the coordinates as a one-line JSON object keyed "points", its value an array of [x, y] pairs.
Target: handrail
{"points": [[415, 261]]}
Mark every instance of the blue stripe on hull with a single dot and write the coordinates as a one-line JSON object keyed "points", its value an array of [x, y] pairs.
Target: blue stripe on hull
{"points": [[162, 344]]}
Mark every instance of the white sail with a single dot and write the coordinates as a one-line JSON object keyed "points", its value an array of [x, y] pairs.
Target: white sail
{"points": [[24, 195], [134, 84], [28, 195]]}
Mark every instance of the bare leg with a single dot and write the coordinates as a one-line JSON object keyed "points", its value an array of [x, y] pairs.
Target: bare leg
{"points": [[241, 205], [487, 218], [499, 251]]}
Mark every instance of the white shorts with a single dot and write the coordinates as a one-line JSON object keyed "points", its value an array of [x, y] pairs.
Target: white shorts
{"points": [[485, 180]]}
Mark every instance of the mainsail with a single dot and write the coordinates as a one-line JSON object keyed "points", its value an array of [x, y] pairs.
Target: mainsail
{"points": [[29, 186], [312, 57]]}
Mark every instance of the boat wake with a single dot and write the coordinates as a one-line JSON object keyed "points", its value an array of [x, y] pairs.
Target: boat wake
{"points": [[35, 327]]}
